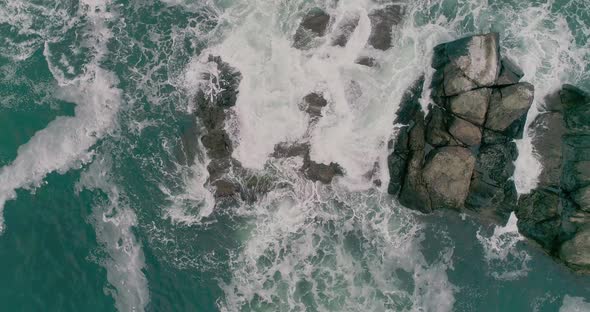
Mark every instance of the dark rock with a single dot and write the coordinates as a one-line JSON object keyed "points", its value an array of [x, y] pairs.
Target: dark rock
{"points": [[344, 29], [548, 129], [227, 81], [582, 198], [314, 24], [382, 22], [321, 172], [366, 61], [510, 73], [285, 150], [447, 174], [224, 188], [471, 105], [465, 132], [436, 131], [397, 161], [539, 218], [313, 104], [576, 105], [217, 143], [494, 137], [468, 63], [410, 103], [576, 251], [509, 104], [576, 162]]}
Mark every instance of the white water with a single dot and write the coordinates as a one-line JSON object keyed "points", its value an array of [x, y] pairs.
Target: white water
{"points": [[574, 304], [114, 221]]}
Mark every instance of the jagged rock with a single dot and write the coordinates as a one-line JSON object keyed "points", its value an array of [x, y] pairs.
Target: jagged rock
{"points": [[382, 22], [313, 104], [447, 174], [548, 129], [366, 61], [314, 24], [508, 105], [494, 137], [539, 218], [344, 29], [492, 192], [468, 63], [510, 73], [576, 251], [284, 150], [437, 133], [471, 105], [321, 172], [465, 132], [410, 103], [576, 162], [217, 143], [224, 188], [397, 161]]}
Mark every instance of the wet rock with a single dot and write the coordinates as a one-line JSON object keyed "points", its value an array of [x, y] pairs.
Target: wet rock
{"points": [[576, 251], [313, 103], [344, 29], [508, 105], [410, 103], [382, 22], [582, 198], [468, 63], [510, 73], [471, 105], [539, 218], [465, 132], [437, 133], [447, 174], [321, 172], [548, 129], [314, 24], [227, 81], [217, 144], [286, 149], [366, 61], [224, 188], [576, 162], [494, 137], [397, 161], [576, 105]]}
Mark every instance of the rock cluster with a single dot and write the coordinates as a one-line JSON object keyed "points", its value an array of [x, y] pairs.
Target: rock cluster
{"points": [[460, 155], [557, 213]]}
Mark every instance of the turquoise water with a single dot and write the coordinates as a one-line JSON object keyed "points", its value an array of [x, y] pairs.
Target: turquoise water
{"points": [[101, 213]]}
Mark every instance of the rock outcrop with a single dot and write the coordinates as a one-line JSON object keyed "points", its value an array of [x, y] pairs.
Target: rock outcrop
{"points": [[382, 22], [556, 213], [313, 25], [461, 155]]}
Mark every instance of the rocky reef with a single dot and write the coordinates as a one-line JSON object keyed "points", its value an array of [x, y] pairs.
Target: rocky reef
{"points": [[461, 154]]}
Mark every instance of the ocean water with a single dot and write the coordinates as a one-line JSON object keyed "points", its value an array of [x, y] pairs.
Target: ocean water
{"points": [[100, 213]]}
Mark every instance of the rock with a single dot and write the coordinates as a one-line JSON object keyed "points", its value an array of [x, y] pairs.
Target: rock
{"points": [[468, 63], [285, 150], [582, 198], [382, 22], [471, 105], [548, 129], [494, 137], [539, 218], [447, 174], [314, 24], [576, 251], [576, 105], [224, 188], [366, 61], [576, 162], [465, 132], [410, 103], [397, 161], [227, 81], [321, 172], [508, 105], [510, 73], [313, 104], [436, 131], [344, 29], [217, 143]]}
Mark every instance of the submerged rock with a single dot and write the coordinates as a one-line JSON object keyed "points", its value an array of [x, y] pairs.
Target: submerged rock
{"points": [[382, 22], [366, 61], [344, 29], [313, 104], [313, 25]]}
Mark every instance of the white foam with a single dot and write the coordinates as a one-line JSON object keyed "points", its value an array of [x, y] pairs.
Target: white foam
{"points": [[113, 222], [574, 304], [505, 259]]}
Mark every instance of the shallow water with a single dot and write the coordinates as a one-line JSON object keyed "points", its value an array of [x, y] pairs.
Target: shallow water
{"points": [[101, 214]]}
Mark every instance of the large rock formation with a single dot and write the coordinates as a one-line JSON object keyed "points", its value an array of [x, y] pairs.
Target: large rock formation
{"points": [[556, 214], [461, 155]]}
